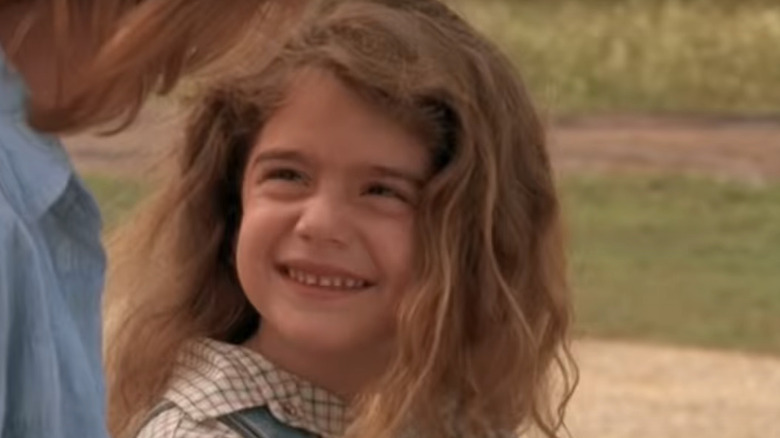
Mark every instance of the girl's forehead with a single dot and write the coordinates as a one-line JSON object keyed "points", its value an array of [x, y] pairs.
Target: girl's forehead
{"points": [[320, 103], [323, 121]]}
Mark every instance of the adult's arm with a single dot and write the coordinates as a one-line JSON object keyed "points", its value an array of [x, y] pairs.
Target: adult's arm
{"points": [[13, 253]]}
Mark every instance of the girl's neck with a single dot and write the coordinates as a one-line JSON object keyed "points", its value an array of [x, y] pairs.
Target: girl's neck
{"points": [[344, 374]]}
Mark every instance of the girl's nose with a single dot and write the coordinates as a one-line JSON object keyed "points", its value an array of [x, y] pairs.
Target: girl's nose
{"points": [[322, 221]]}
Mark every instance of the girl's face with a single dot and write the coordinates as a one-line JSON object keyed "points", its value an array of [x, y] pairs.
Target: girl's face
{"points": [[324, 250]]}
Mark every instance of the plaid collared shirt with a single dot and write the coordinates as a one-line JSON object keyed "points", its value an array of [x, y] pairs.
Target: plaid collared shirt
{"points": [[214, 378]]}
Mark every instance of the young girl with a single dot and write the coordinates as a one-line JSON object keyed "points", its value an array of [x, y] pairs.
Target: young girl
{"points": [[361, 237]]}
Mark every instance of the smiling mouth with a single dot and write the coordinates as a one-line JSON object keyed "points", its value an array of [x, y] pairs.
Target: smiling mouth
{"points": [[335, 282]]}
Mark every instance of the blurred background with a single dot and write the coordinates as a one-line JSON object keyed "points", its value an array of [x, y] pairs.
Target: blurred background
{"points": [[664, 120]]}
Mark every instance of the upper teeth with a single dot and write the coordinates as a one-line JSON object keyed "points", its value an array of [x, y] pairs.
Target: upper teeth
{"points": [[325, 281]]}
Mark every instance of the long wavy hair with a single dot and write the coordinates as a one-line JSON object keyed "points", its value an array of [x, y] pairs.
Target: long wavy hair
{"points": [[482, 346]]}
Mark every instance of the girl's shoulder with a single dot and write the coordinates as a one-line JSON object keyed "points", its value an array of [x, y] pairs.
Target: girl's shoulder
{"points": [[213, 378], [168, 420], [218, 386], [209, 381]]}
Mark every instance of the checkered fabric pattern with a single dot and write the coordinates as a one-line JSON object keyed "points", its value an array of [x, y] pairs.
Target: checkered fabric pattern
{"points": [[214, 378]]}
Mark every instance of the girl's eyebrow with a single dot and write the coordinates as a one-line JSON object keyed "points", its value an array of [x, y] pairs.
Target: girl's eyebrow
{"points": [[278, 154]]}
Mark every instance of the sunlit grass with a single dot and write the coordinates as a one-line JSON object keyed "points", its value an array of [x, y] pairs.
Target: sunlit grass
{"points": [[641, 55], [116, 197]]}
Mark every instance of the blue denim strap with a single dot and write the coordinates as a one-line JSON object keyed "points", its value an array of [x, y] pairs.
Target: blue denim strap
{"points": [[258, 422]]}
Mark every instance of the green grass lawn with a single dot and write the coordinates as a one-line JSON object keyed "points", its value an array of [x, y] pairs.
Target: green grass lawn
{"points": [[116, 196], [653, 56], [660, 258], [676, 259]]}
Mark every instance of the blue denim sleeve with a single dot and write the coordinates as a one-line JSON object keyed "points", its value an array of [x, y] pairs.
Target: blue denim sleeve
{"points": [[11, 281], [5, 317], [50, 377]]}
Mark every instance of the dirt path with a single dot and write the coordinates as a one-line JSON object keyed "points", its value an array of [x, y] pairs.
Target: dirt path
{"points": [[747, 150], [648, 391], [627, 390], [133, 152]]}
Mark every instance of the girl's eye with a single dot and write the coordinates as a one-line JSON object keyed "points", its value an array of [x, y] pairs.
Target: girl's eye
{"points": [[282, 182], [385, 191], [284, 174]]}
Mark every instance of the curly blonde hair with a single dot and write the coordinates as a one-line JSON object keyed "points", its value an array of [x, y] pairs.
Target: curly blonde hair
{"points": [[487, 332]]}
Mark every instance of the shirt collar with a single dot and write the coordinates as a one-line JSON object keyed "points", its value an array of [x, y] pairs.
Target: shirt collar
{"points": [[215, 378], [34, 166]]}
